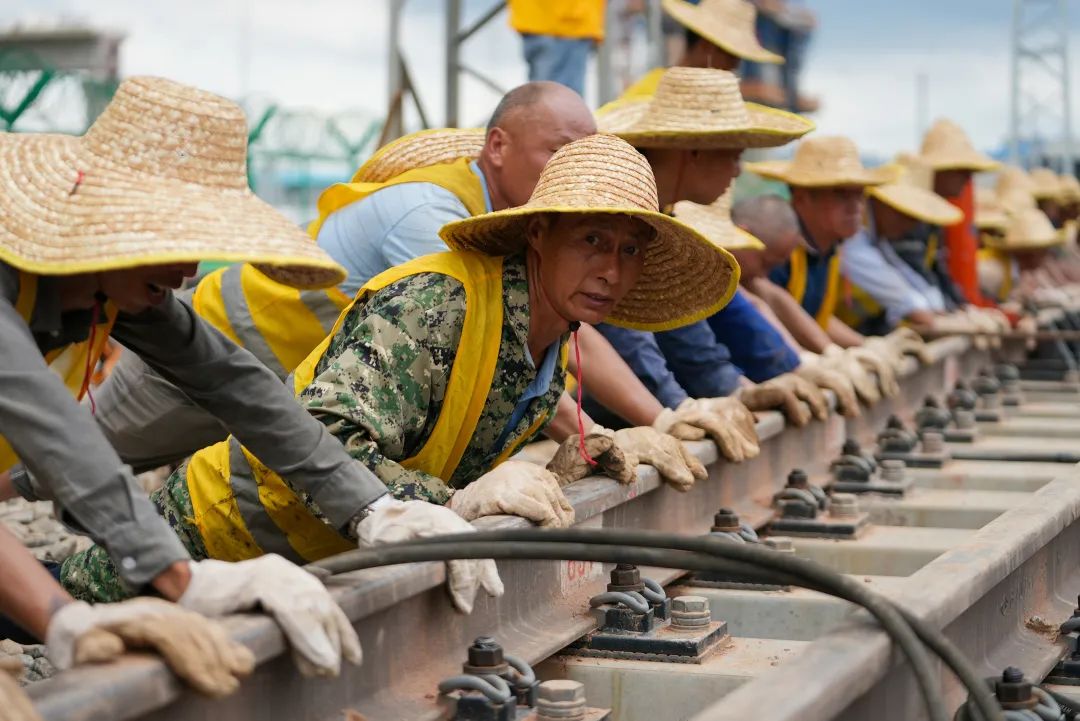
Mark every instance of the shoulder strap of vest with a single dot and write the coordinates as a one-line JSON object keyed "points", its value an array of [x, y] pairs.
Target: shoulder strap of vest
{"points": [[474, 365], [24, 303], [933, 242], [456, 177], [832, 291], [796, 284]]}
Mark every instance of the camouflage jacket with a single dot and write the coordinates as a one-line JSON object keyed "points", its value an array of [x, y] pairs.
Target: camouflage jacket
{"points": [[379, 388]]}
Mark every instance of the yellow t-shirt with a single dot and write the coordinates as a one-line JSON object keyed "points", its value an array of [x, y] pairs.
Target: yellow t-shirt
{"points": [[561, 18]]}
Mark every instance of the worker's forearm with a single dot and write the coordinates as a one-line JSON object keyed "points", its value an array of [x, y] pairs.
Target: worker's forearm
{"points": [[842, 334], [7, 488], [612, 383], [173, 581], [920, 318], [29, 595], [565, 422], [768, 314]]}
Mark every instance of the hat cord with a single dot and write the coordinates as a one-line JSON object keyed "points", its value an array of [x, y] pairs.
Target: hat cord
{"points": [[88, 372], [580, 385]]}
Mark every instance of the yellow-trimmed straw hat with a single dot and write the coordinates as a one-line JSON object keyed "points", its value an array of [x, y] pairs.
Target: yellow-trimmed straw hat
{"points": [[989, 215], [420, 150], [1070, 189], [1046, 185], [947, 147], [822, 161], [685, 277], [1027, 229], [1015, 189], [728, 24], [700, 109], [714, 222], [159, 178], [912, 194]]}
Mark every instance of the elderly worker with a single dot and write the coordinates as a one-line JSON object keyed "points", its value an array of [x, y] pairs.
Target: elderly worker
{"points": [[118, 218], [1022, 249], [434, 399]]}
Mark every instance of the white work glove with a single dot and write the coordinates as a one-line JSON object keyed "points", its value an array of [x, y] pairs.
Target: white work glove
{"points": [[787, 392], [515, 488], [676, 465], [990, 322], [812, 369], [318, 630], [196, 648], [14, 703], [1028, 325], [612, 460], [836, 358], [394, 521], [727, 421], [880, 361], [886, 351], [1051, 297], [907, 342], [955, 323]]}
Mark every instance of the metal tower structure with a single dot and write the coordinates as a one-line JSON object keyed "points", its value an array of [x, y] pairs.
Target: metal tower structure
{"points": [[1041, 112]]}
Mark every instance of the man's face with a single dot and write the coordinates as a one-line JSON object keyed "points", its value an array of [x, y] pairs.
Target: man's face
{"points": [[588, 263], [521, 149], [704, 54], [1052, 209], [134, 290], [950, 183], [837, 211], [708, 174]]}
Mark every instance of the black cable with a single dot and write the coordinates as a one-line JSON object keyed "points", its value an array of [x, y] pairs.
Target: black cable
{"points": [[793, 571]]}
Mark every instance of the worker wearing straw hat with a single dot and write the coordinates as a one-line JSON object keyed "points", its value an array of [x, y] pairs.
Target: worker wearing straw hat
{"points": [[1023, 248], [468, 344], [95, 232], [882, 291], [1048, 192], [693, 130]]}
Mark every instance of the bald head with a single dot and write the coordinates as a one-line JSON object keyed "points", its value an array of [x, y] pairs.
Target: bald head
{"points": [[529, 124], [771, 220]]}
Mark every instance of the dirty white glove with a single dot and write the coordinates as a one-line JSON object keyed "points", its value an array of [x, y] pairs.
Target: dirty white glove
{"points": [[880, 361], [515, 488], [1028, 325], [14, 703], [613, 461], [318, 631], [990, 322], [676, 465], [787, 392], [727, 421], [955, 323], [395, 521], [812, 369], [196, 648], [1051, 297], [886, 351], [836, 358], [908, 342]]}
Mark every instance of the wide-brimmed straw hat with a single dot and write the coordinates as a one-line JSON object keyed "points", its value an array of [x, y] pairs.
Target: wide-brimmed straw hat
{"points": [[1046, 185], [912, 194], [947, 147], [419, 150], [159, 178], [1027, 229], [989, 215], [728, 24], [1070, 189], [685, 277], [700, 109], [823, 161], [714, 222], [1015, 188]]}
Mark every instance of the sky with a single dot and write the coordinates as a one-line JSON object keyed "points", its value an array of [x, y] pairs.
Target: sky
{"points": [[331, 56]]}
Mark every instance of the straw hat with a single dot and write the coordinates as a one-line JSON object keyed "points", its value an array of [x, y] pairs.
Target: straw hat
{"points": [[1046, 184], [1027, 229], [160, 177], [947, 147], [912, 194], [1015, 189], [728, 24], [419, 150], [700, 109], [714, 222], [685, 277], [1070, 189], [820, 162], [989, 215]]}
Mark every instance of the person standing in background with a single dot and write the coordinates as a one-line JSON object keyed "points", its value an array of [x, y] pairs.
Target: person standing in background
{"points": [[557, 36]]}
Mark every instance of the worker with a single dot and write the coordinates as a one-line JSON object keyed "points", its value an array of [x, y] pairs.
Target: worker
{"points": [[1022, 249], [1047, 189], [558, 36], [454, 394], [117, 219], [162, 174], [880, 290], [692, 131]]}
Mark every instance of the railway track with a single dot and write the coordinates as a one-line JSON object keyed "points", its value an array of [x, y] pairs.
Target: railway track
{"points": [[985, 548]]}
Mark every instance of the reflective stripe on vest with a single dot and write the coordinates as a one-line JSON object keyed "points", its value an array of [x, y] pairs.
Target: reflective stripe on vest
{"points": [[281, 325], [220, 479], [797, 283], [68, 362]]}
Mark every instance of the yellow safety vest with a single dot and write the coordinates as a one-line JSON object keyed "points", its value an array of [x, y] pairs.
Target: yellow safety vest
{"points": [[995, 255], [68, 362], [281, 325], [561, 18], [242, 509], [796, 285]]}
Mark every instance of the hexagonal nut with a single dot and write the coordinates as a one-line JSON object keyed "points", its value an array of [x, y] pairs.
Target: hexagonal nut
{"points": [[561, 691], [690, 604]]}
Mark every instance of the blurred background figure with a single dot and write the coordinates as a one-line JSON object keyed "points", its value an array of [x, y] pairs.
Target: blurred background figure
{"points": [[557, 37]]}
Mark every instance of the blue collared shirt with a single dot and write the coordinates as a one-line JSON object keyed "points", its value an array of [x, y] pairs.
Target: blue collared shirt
{"points": [[390, 227], [539, 386], [757, 348]]}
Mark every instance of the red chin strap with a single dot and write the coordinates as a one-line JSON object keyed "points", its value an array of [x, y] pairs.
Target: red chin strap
{"points": [[580, 385], [90, 360]]}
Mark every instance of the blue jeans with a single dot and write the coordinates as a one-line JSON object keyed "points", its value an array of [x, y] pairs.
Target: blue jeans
{"points": [[562, 60]]}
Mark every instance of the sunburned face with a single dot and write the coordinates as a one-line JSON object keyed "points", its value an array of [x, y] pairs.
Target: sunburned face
{"points": [[708, 175], [588, 263], [134, 290]]}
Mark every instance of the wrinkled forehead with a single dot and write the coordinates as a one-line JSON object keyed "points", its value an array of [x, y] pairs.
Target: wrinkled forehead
{"points": [[616, 224]]}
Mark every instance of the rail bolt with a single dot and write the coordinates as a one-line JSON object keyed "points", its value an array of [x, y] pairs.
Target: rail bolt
{"points": [[486, 656], [690, 612], [560, 700], [725, 521], [625, 577]]}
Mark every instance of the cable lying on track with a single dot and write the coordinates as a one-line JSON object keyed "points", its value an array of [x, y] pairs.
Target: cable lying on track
{"points": [[697, 554]]}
